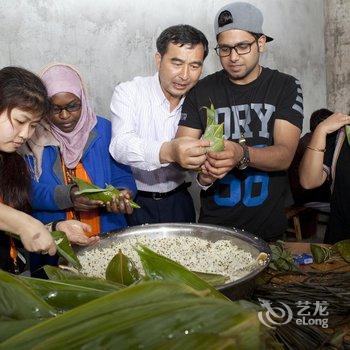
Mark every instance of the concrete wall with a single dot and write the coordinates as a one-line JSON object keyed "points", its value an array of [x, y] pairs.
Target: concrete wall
{"points": [[337, 38], [114, 40]]}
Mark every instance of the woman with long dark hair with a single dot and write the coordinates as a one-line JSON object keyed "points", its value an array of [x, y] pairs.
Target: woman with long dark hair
{"points": [[23, 102]]}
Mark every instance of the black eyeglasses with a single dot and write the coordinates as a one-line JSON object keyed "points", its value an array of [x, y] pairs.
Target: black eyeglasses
{"points": [[240, 48], [71, 107]]}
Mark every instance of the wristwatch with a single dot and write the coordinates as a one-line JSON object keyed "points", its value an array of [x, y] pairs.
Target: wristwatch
{"points": [[245, 160]]}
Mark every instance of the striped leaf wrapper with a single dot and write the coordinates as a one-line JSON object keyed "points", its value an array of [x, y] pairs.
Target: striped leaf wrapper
{"points": [[150, 315], [94, 192], [214, 132]]}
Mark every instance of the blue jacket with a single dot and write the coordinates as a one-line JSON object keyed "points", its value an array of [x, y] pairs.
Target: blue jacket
{"points": [[50, 196]]}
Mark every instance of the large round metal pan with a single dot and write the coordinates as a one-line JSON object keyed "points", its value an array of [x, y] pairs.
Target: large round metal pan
{"points": [[238, 289]]}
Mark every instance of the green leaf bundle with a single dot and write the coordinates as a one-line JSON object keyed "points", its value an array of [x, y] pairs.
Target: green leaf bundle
{"points": [[214, 132], [94, 192]]}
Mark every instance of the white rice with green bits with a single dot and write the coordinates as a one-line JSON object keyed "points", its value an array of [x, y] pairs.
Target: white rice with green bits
{"points": [[197, 254]]}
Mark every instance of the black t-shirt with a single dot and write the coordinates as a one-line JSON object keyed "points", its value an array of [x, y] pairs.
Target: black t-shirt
{"points": [[339, 223], [251, 199]]}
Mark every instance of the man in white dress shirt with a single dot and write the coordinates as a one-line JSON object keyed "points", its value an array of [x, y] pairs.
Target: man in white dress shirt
{"points": [[145, 115]]}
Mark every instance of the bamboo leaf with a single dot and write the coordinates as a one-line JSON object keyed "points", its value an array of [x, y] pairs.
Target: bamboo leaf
{"points": [[9, 327], [210, 114], [281, 259], [343, 247], [64, 248], [64, 295], [148, 316], [320, 253], [214, 132], [94, 192], [134, 296], [18, 301], [212, 278], [122, 270], [78, 279], [157, 266]]}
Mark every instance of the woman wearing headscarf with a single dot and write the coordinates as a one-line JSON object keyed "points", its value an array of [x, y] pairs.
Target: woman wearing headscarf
{"points": [[23, 103], [73, 142]]}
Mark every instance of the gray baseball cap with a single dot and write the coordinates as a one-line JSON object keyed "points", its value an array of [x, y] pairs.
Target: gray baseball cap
{"points": [[239, 15]]}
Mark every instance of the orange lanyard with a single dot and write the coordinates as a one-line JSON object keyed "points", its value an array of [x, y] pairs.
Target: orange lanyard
{"points": [[91, 217]]}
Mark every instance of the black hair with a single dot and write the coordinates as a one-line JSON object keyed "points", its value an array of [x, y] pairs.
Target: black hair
{"points": [[21, 89], [182, 34], [319, 116]]}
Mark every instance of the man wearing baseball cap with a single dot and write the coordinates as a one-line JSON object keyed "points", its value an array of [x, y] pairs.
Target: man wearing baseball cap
{"points": [[246, 185]]}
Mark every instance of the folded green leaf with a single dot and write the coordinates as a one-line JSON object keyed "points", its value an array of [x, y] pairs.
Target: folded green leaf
{"points": [[18, 301], [122, 270], [64, 248], [214, 132], [157, 266], [343, 247], [100, 194], [281, 259], [320, 253]]}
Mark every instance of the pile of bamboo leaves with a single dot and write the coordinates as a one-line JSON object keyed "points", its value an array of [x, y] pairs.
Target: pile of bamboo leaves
{"points": [[331, 287], [169, 308]]}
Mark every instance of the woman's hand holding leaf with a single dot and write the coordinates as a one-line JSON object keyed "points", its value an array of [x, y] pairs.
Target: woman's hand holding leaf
{"points": [[77, 232], [35, 236], [120, 204], [82, 203]]}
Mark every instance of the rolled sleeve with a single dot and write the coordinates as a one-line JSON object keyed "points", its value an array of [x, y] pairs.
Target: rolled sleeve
{"points": [[62, 196]]}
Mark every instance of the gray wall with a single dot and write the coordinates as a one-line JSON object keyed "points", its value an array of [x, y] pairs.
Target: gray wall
{"points": [[337, 38], [114, 40]]}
